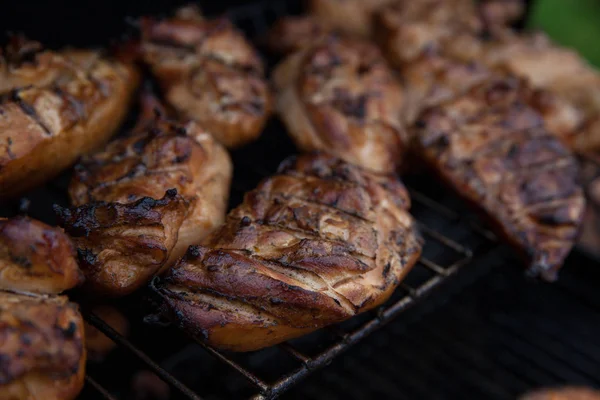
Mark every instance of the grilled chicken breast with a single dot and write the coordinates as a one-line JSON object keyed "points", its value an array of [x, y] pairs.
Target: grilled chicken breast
{"points": [[315, 244], [43, 356], [493, 148], [36, 258], [54, 107], [574, 83], [143, 200], [340, 96], [209, 73]]}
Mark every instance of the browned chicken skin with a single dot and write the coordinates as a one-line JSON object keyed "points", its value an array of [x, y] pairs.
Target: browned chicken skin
{"points": [[54, 107], [43, 356], [340, 96], [209, 73], [125, 227], [36, 258], [492, 147], [315, 244]]}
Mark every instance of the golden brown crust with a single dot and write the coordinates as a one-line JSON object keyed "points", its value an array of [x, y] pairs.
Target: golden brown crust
{"points": [[492, 147], [316, 244], [125, 178], [36, 258], [340, 96], [54, 107], [41, 343], [209, 73]]}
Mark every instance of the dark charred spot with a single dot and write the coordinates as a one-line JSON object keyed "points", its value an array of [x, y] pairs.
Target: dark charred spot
{"points": [[386, 269], [171, 193], [336, 301], [420, 123], [139, 146], [70, 330], [193, 252], [245, 221], [21, 261], [180, 130], [513, 150], [276, 301], [355, 107], [86, 257], [442, 142], [212, 268], [25, 339], [485, 35]]}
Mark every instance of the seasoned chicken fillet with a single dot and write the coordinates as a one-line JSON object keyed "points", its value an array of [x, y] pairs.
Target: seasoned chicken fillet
{"points": [[493, 148], [562, 72], [43, 356], [143, 200], [340, 96], [54, 107], [209, 73], [315, 244], [36, 258]]}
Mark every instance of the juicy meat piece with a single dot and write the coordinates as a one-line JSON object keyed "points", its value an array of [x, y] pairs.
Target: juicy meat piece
{"points": [[209, 73], [406, 30], [348, 16], [315, 244], [562, 72], [492, 147], [54, 107], [43, 356], [290, 34], [340, 96], [97, 344], [124, 235], [36, 258]]}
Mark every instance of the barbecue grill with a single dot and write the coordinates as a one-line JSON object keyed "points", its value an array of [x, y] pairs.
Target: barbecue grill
{"points": [[485, 329]]}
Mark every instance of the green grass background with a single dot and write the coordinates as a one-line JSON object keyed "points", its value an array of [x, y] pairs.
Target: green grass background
{"points": [[572, 23]]}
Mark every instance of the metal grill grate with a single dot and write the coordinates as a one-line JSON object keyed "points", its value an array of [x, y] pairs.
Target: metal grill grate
{"points": [[196, 371]]}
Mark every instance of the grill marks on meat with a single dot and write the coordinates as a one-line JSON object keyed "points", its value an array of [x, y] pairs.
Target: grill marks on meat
{"points": [[42, 355], [54, 107], [315, 244], [209, 73], [492, 147], [340, 96], [124, 235], [36, 258]]}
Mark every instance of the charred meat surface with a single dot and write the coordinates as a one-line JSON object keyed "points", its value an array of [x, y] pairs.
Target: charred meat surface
{"points": [[315, 244], [41, 348], [340, 96], [54, 107], [209, 73], [493, 148], [36, 258], [143, 200]]}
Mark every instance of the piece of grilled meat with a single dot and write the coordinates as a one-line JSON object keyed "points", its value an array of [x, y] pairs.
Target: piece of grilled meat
{"points": [[209, 73], [315, 244], [563, 72], [340, 96], [54, 107], [125, 227], [36, 258], [493, 148], [353, 17], [293, 33], [43, 356]]}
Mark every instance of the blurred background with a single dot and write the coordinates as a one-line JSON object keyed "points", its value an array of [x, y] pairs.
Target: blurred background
{"points": [[573, 23]]}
